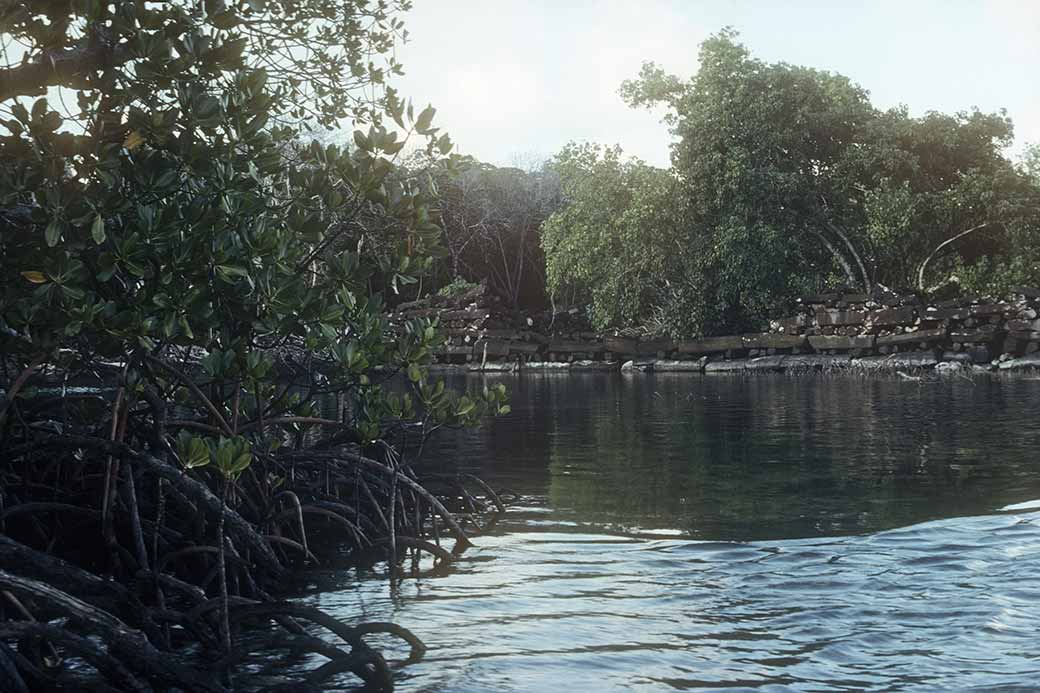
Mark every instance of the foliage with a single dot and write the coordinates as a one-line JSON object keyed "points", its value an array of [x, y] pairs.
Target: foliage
{"points": [[491, 217], [166, 236], [615, 244], [790, 178], [180, 214], [457, 287], [1031, 162]]}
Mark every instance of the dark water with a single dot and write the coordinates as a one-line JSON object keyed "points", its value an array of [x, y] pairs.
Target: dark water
{"points": [[768, 533]]}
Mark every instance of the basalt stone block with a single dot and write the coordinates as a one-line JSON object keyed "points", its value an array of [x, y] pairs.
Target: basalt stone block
{"points": [[492, 347], [588, 365], [903, 315], [813, 361], [1023, 325], [1021, 363], [655, 346], [912, 337], [793, 325], [547, 366], [979, 354], [766, 363], [840, 317], [470, 314], [1027, 291], [560, 346], [958, 313], [734, 366], [672, 366], [854, 298], [452, 350], [959, 302], [525, 347], [911, 359], [767, 340], [985, 309], [984, 333], [825, 342], [711, 345], [956, 356], [495, 367], [620, 345]]}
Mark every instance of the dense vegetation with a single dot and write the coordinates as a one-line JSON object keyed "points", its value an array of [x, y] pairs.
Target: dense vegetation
{"points": [[784, 179], [191, 330]]}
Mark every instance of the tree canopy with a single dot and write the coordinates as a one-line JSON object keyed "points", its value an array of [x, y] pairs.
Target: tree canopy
{"points": [[789, 178], [173, 205]]}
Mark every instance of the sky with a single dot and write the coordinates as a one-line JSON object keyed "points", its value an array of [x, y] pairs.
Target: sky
{"points": [[515, 80]]}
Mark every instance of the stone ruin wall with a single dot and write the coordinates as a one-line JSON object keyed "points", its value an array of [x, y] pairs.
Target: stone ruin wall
{"points": [[830, 331]]}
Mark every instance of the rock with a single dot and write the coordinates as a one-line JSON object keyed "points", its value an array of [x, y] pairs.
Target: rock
{"points": [[911, 337], [637, 366], [904, 315], [1021, 363], [766, 363], [1023, 325], [840, 317], [620, 345], [948, 367], [766, 340], [983, 309], [711, 345], [822, 342], [813, 361], [736, 365], [565, 347], [588, 365], [956, 357], [957, 313], [495, 367], [1027, 291], [492, 348], [671, 366], [918, 359], [547, 366], [654, 347]]}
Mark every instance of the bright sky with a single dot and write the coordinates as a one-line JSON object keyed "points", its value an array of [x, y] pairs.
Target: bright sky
{"points": [[514, 80]]}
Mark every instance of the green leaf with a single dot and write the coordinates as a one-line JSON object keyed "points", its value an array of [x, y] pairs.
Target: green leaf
{"points": [[53, 232], [97, 230], [425, 119]]}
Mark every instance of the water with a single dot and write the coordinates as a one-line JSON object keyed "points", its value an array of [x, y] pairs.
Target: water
{"points": [[766, 533]]}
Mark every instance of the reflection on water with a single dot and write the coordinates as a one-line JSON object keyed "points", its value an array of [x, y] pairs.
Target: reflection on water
{"points": [[774, 533], [761, 457]]}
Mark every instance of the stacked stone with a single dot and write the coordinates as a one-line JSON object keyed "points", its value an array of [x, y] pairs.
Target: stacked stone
{"points": [[836, 329], [1022, 337], [471, 324], [836, 322]]}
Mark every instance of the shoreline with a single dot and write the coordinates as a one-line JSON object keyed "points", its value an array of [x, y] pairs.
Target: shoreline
{"points": [[781, 363]]}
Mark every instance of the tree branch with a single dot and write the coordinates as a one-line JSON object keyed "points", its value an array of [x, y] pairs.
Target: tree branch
{"points": [[938, 249]]}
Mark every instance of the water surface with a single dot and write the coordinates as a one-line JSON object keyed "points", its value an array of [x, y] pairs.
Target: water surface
{"points": [[762, 533]]}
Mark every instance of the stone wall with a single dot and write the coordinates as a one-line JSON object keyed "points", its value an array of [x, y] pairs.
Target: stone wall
{"points": [[830, 331]]}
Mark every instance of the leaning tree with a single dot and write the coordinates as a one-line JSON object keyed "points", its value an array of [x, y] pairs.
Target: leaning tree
{"points": [[194, 357]]}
